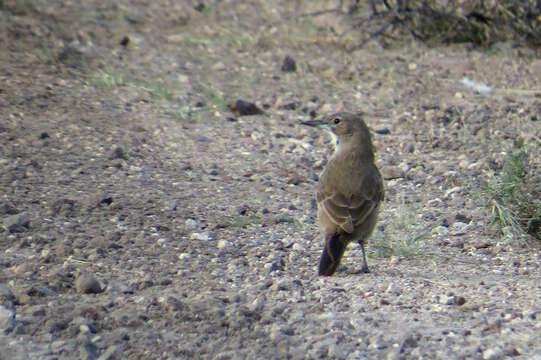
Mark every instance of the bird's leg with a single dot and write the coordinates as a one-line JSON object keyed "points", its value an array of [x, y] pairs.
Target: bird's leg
{"points": [[364, 268]]}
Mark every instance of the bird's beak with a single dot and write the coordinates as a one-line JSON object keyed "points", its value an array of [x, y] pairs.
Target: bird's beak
{"points": [[321, 123]]}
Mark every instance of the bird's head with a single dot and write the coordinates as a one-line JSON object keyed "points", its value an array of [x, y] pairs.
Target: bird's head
{"points": [[347, 128]]}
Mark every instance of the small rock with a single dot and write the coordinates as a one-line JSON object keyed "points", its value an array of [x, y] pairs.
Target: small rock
{"points": [[258, 304], [383, 131], [223, 244], [184, 256], [243, 108], [298, 247], [219, 66], [295, 180], [6, 296], [7, 319], [277, 265], [41, 291], [288, 105], [88, 350], [389, 172], [289, 65], [458, 217], [391, 288], [172, 205], [8, 209], [57, 345], [445, 300], [493, 353], [190, 224], [103, 199], [460, 300], [226, 355], [282, 285], [200, 236], [410, 342], [118, 153], [242, 209], [110, 354], [481, 244], [72, 57], [450, 300], [17, 223], [462, 218], [124, 41], [279, 331], [62, 207], [88, 284], [173, 304], [85, 326], [448, 193], [335, 351]]}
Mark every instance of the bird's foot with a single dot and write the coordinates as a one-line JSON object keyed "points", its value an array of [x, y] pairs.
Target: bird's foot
{"points": [[363, 270]]}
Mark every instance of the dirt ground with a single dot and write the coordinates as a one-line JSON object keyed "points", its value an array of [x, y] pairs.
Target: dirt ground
{"points": [[141, 217]]}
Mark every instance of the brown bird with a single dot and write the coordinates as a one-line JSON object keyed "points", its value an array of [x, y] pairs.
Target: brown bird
{"points": [[350, 190]]}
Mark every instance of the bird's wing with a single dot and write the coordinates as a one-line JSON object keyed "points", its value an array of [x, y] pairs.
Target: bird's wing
{"points": [[347, 212]]}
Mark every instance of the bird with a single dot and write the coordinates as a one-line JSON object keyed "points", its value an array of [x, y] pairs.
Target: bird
{"points": [[350, 189]]}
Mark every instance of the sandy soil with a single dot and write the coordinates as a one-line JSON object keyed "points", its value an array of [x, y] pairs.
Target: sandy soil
{"points": [[143, 217]]}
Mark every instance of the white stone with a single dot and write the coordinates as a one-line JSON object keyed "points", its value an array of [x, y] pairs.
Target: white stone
{"points": [[223, 244], [200, 236]]}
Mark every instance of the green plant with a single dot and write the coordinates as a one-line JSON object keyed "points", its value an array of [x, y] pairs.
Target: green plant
{"points": [[405, 233], [158, 89], [240, 221], [181, 113], [214, 96], [44, 54], [512, 197], [109, 77]]}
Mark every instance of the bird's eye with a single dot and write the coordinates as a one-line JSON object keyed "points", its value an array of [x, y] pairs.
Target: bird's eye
{"points": [[336, 121]]}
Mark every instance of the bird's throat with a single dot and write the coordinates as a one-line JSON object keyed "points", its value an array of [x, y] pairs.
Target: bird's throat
{"points": [[334, 140]]}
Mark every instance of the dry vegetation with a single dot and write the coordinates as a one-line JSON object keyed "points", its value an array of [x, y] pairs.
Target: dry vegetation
{"points": [[451, 22]]}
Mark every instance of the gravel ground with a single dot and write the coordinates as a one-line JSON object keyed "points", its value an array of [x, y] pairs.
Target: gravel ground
{"points": [[147, 213]]}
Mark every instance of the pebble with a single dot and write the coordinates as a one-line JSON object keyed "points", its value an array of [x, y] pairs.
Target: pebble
{"points": [[184, 256], [7, 298], [200, 236], [7, 209], [88, 350], [88, 284], [243, 108], [110, 353], [118, 153], [287, 105], [222, 244], [258, 304], [17, 223], [191, 224], [452, 191], [289, 64], [493, 353], [278, 331], [389, 172], [7, 319]]}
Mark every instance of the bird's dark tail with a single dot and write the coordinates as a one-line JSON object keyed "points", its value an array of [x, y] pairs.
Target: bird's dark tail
{"points": [[331, 255]]}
